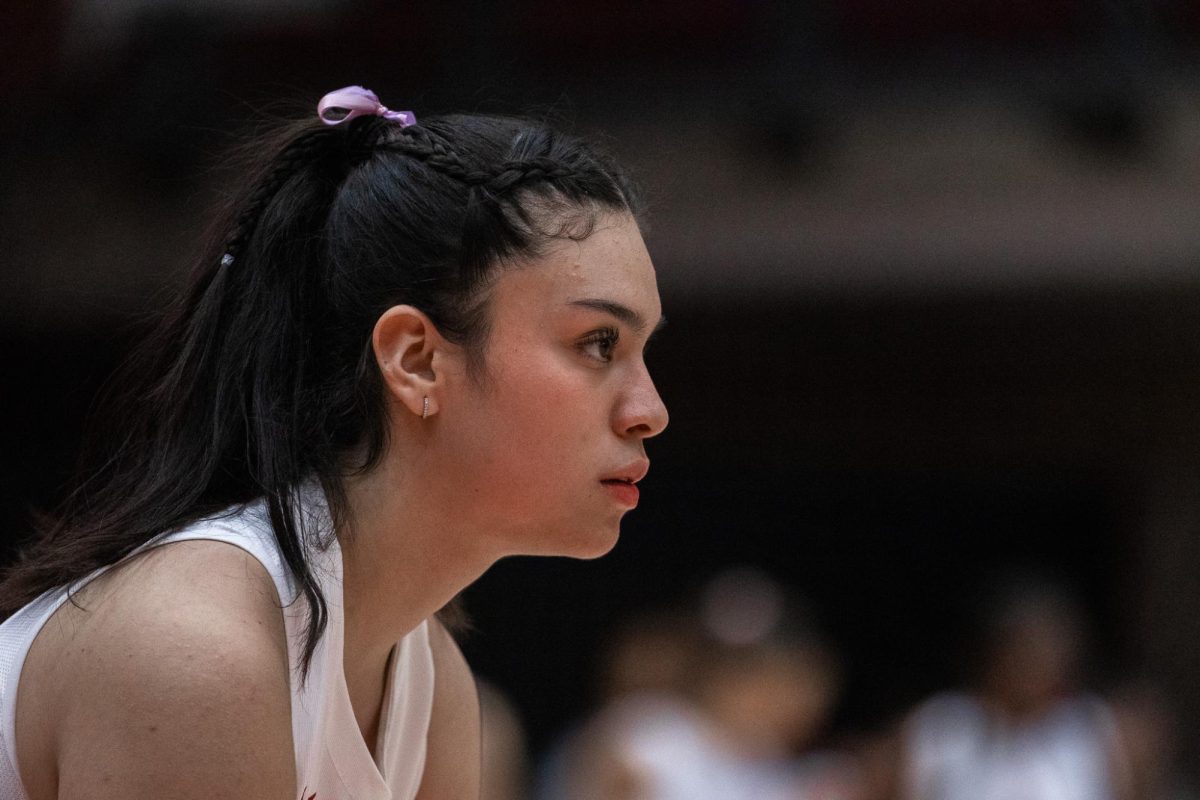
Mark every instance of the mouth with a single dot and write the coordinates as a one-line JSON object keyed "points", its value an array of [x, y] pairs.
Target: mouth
{"points": [[622, 483], [629, 474], [623, 490]]}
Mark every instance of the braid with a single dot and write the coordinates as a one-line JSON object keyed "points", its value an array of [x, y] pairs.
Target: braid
{"points": [[515, 173], [430, 149], [296, 154], [365, 138], [423, 145], [442, 157], [362, 138]]}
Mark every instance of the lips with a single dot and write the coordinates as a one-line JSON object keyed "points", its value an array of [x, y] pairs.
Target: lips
{"points": [[622, 483], [618, 482], [629, 474], [624, 492]]}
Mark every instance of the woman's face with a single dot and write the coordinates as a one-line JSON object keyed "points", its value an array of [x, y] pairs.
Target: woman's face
{"points": [[548, 442]]}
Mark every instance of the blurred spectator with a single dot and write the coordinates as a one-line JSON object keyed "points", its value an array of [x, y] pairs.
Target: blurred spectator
{"points": [[655, 652], [728, 706], [770, 682], [1025, 730]]}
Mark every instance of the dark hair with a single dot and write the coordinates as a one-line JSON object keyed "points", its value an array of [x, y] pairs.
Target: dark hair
{"points": [[261, 375]]}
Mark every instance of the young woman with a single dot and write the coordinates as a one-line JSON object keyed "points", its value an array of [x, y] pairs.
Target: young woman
{"points": [[416, 348]]}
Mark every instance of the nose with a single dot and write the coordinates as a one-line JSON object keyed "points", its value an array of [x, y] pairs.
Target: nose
{"points": [[642, 413]]}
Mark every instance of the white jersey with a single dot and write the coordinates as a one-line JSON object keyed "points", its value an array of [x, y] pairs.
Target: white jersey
{"points": [[956, 750], [677, 753], [332, 759]]}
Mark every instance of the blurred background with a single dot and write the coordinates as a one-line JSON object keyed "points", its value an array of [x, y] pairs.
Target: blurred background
{"points": [[932, 271]]}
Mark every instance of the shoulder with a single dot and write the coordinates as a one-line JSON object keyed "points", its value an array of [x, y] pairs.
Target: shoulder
{"points": [[172, 671], [452, 763]]}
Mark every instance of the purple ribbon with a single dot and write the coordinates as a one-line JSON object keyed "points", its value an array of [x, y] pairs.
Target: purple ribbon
{"points": [[349, 102]]}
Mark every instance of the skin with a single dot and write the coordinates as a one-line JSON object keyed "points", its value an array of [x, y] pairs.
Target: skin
{"points": [[1030, 667], [176, 674]]}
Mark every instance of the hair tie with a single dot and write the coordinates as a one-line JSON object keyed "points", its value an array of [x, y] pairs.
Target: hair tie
{"points": [[349, 102]]}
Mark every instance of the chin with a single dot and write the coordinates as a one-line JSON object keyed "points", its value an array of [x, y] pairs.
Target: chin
{"points": [[597, 548], [581, 543]]}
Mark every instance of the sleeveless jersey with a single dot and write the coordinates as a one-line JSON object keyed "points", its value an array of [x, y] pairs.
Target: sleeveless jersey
{"points": [[957, 750], [333, 762]]}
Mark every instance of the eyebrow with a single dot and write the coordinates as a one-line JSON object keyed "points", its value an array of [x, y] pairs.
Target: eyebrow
{"points": [[622, 312]]}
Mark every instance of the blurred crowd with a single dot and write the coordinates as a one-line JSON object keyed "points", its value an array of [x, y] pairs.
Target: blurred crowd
{"points": [[733, 696]]}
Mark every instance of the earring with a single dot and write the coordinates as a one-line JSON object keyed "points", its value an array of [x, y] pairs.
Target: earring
{"points": [[425, 408]]}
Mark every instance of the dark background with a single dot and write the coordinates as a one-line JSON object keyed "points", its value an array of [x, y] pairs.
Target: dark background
{"points": [[930, 269]]}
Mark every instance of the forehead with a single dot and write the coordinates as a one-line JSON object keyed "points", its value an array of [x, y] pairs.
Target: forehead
{"points": [[611, 264]]}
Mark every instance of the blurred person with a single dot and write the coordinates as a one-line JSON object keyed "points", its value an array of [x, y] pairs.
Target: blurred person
{"points": [[771, 681], [654, 652], [504, 773], [416, 347], [652, 657], [738, 722], [1025, 730]]}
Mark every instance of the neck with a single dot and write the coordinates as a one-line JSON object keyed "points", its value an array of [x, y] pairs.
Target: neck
{"points": [[403, 558]]}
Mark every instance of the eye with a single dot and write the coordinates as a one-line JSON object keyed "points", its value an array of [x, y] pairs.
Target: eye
{"points": [[600, 344]]}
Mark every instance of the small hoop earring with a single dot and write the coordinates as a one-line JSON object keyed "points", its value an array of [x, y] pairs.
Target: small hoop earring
{"points": [[425, 409]]}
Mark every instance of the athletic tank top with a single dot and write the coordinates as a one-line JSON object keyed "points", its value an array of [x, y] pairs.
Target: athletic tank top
{"points": [[333, 762], [957, 750]]}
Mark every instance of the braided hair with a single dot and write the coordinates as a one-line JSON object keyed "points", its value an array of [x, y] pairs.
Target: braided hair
{"points": [[260, 377]]}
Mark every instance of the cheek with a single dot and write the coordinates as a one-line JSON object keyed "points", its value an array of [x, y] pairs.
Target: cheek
{"points": [[539, 411], [552, 413]]}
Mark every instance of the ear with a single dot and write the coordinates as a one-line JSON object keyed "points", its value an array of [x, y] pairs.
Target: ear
{"points": [[407, 345]]}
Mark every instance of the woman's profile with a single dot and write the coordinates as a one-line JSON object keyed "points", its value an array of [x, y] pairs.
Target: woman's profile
{"points": [[415, 347]]}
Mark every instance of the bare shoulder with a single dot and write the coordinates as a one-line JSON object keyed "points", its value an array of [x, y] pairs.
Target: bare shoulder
{"points": [[170, 677], [453, 759]]}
